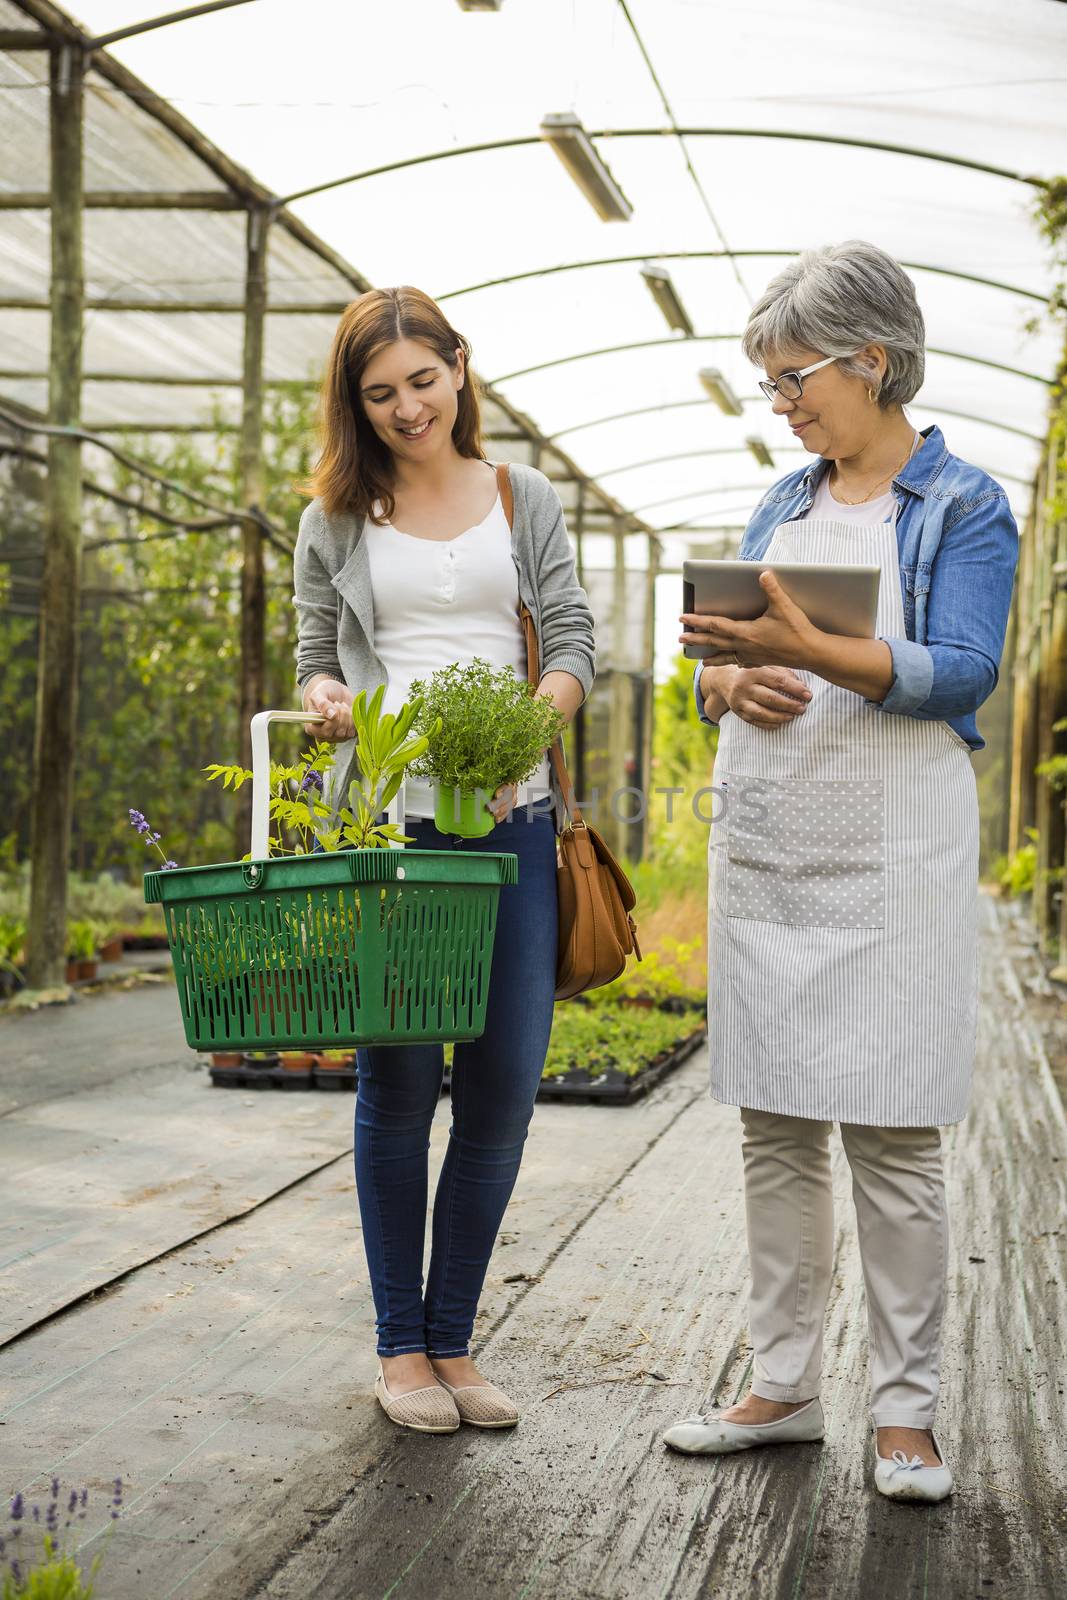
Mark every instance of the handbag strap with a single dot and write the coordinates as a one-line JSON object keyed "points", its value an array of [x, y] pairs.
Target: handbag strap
{"points": [[533, 670]]}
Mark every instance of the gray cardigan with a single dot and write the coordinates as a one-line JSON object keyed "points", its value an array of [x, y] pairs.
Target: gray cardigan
{"points": [[335, 604]]}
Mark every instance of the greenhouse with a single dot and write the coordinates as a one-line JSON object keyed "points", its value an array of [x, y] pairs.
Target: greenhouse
{"points": [[201, 214]]}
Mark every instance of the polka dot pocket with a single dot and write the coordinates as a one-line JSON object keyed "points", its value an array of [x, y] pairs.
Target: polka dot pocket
{"points": [[805, 851]]}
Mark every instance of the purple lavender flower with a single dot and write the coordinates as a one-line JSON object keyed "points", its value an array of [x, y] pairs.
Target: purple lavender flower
{"points": [[52, 1517], [311, 780], [18, 1507], [84, 1497], [72, 1503], [137, 820], [16, 1573], [55, 1488]]}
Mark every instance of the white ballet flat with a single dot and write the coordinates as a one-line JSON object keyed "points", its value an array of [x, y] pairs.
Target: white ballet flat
{"points": [[712, 1436], [900, 1479]]}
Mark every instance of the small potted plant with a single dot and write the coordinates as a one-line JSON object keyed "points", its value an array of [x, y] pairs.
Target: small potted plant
{"points": [[81, 952], [492, 728], [12, 941], [108, 940]]}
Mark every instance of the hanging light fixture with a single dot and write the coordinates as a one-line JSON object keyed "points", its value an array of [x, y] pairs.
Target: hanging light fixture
{"points": [[663, 292], [563, 130], [719, 390], [759, 450]]}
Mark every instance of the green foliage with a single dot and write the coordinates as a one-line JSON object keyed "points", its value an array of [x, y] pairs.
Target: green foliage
{"points": [[56, 1577], [386, 749], [597, 1038], [12, 942], [159, 640], [483, 728], [682, 756], [658, 976], [1016, 873], [81, 941]]}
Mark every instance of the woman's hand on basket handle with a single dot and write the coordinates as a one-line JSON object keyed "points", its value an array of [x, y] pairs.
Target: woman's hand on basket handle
{"points": [[334, 700]]}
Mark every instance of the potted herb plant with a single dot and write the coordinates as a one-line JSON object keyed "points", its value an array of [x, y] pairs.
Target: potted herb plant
{"points": [[483, 728], [81, 951]]}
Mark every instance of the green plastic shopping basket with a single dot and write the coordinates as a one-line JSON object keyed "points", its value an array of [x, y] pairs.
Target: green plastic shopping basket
{"points": [[351, 947]]}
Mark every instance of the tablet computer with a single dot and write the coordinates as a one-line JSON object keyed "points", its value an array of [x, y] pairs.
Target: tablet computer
{"points": [[836, 598]]}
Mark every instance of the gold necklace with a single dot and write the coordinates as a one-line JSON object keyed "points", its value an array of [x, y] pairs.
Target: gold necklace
{"points": [[870, 493]]}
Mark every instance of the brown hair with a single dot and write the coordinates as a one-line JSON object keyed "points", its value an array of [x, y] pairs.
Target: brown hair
{"points": [[354, 467]]}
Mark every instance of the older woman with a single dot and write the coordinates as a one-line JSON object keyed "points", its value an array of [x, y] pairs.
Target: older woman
{"points": [[843, 876]]}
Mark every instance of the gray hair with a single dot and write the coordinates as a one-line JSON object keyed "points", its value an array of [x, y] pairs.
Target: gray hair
{"points": [[836, 300]]}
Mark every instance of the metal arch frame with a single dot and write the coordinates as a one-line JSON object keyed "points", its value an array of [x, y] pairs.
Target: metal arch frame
{"points": [[526, 140], [724, 255], [742, 449], [735, 338], [680, 405]]}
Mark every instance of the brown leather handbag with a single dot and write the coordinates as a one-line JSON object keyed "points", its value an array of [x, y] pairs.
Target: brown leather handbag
{"points": [[596, 930]]}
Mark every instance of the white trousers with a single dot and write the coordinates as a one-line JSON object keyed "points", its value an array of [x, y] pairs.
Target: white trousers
{"points": [[898, 1190]]}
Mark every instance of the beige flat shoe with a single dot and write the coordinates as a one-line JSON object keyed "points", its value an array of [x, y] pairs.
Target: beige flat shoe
{"points": [[483, 1405], [429, 1410]]}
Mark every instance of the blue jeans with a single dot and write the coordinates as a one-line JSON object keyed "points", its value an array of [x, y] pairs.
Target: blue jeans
{"points": [[494, 1083]]}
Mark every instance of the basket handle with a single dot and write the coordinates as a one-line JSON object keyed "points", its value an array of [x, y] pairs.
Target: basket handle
{"points": [[261, 779]]}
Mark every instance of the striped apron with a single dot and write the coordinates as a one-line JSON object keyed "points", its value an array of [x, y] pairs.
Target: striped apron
{"points": [[843, 875]]}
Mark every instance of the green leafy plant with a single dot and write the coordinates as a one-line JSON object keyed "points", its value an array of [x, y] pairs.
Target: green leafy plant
{"points": [[1016, 873], [81, 941], [659, 977], [385, 747], [483, 728], [597, 1039], [12, 941]]}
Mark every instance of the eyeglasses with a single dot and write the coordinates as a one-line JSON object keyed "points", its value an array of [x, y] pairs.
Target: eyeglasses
{"points": [[790, 385]]}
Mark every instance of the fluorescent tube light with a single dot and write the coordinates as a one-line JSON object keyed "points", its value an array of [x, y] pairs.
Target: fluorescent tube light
{"points": [[760, 450], [719, 391], [665, 295], [565, 133]]}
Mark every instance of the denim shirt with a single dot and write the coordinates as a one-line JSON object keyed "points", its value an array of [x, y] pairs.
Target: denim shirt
{"points": [[958, 545]]}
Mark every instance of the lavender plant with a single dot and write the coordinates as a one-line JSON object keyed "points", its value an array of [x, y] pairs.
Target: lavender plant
{"points": [[138, 821], [35, 1561]]}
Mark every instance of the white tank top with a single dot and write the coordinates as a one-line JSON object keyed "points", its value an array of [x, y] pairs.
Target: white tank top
{"points": [[442, 601]]}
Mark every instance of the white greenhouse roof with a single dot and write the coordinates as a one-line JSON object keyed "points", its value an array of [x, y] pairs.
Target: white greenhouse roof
{"points": [[766, 99]]}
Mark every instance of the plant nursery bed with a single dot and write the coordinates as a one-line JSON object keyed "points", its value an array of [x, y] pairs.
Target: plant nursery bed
{"points": [[620, 1088]]}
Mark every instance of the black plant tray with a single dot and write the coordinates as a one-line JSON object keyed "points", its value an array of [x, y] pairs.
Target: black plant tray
{"points": [[613, 1088], [616, 1088]]}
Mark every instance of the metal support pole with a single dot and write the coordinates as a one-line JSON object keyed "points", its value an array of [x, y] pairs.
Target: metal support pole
{"points": [[253, 494], [57, 674], [620, 730], [648, 686]]}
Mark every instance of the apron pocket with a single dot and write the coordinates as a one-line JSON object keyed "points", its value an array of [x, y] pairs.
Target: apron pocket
{"points": [[802, 851]]}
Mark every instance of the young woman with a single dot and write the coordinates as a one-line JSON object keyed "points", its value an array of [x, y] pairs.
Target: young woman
{"points": [[843, 929], [405, 564]]}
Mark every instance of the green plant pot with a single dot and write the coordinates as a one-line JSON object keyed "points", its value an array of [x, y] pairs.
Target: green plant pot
{"points": [[471, 819]]}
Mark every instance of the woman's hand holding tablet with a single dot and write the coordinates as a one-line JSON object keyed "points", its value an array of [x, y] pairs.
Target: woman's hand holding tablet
{"points": [[762, 621]]}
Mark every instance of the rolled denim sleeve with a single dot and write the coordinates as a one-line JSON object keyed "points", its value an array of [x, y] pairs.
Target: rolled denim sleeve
{"points": [[969, 601]]}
